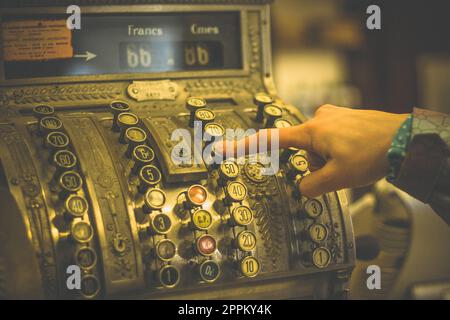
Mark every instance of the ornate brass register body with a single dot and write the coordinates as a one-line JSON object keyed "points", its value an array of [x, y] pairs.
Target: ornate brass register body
{"points": [[86, 172]]}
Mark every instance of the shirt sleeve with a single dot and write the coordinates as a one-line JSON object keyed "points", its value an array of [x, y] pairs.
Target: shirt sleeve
{"points": [[425, 170]]}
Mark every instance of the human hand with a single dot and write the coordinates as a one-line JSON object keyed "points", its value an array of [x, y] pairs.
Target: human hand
{"points": [[345, 147]]}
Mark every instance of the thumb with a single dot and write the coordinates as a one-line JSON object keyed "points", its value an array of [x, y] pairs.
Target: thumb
{"points": [[326, 179]]}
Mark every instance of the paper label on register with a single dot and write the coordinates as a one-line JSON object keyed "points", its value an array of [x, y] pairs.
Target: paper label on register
{"points": [[33, 40]]}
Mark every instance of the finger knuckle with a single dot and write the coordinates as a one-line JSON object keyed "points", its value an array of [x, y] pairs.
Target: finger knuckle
{"points": [[323, 108]]}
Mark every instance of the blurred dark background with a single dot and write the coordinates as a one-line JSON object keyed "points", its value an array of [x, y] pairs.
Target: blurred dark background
{"points": [[324, 53]]}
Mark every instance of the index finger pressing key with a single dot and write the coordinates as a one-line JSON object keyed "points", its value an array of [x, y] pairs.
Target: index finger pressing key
{"points": [[264, 140]]}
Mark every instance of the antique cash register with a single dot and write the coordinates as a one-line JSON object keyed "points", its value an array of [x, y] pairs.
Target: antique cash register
{"points": [[88, 179]]}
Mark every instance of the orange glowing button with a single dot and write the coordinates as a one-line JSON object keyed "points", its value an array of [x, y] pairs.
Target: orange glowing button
{"points": [[197, 195], [206, 244]]}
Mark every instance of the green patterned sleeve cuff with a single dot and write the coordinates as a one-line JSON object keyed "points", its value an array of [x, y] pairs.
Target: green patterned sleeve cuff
{"points": [[399, 147]]}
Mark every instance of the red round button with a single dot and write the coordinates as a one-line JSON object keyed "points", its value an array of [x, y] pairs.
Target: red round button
{"points": [[206, 245], [197, 194]]}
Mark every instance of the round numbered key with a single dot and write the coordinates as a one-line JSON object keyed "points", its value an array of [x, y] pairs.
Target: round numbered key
{"points": [[56, 140], [165, 249], [228, 170], [236, 191], [195, 103], [160, 223], [76, 206], [262, 98], [64, 160], [321, 257], [43, 111], [127, 119], [249, 266], [271, 111], [81, 232], [204, 115], [206, 245], [318, 232], [299, 163], [201, 220], [213, 131], [135, 135], [246, 241], [196, 195], [282, 123], [118, 106], [241, 216], [85, 258], [149, 176], [49, 124], [70, 181], [209, 271], [143, 154], [154, 199], [169, 276], [90, 286], [313, 208]]}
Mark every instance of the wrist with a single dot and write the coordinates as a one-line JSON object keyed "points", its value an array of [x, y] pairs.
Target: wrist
{"points": [[399, 147]]}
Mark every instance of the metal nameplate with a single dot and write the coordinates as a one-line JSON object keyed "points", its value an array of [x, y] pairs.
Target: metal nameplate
{"points": [[153, 90]]}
